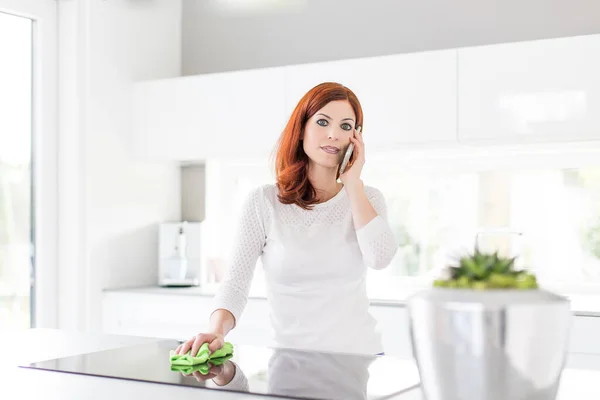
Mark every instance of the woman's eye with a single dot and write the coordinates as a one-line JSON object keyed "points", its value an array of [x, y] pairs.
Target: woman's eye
{"points": [[347, 127], [322, 122]]}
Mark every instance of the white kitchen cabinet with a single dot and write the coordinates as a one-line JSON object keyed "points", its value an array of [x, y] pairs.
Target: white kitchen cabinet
{"points": [[406, 99], [157, 313], [232, 114], [536, 91], [182, 313], [546, 90]]}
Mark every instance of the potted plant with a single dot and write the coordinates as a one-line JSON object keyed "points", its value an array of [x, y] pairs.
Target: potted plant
{"points": [[483, 271], [486, 330]]}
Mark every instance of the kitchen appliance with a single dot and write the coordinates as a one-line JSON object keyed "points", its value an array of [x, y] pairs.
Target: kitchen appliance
{"points": [[179, 254], [261, 371]]}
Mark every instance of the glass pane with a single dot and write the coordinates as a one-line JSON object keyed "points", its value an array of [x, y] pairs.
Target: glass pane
{"points": [[559, 213], [15, 171], [547, 216], [227, 186]]}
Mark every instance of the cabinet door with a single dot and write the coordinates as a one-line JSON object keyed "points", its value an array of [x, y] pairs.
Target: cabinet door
{"points": [[230, 115], [406, 99], [542, 90]]}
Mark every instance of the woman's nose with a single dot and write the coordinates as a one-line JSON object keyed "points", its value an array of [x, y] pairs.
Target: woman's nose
{"points": [[333, 134]]}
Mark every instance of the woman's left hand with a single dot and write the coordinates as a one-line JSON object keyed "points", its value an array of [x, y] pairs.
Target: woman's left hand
{"points": [[352, 174]]}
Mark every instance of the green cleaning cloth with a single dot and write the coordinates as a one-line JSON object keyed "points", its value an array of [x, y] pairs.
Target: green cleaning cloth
{"points": [[202, 357], [203, 368]]}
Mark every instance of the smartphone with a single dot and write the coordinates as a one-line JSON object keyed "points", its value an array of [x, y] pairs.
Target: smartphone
{"points": [[347, 156]]}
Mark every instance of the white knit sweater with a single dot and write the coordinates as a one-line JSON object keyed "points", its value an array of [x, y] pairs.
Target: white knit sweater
{"points": [[315, 264]]}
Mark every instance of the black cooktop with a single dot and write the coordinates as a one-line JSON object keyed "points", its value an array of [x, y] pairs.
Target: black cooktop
{"points": [[258, 370]]}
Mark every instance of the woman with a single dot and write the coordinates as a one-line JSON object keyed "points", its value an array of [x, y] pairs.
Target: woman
{"points": [[316, 236]]}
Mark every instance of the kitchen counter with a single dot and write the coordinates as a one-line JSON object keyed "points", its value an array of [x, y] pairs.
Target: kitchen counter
{"points": [[23, 348], [210, 292], [579, 378], [576, 384], [164, 312], [20, 348]]}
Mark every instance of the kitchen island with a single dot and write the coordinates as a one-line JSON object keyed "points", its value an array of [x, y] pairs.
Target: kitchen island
{"points": [[580, 380], [69, 365], [80, 351]]}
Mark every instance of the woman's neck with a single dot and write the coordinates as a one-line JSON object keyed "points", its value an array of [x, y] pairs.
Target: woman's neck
{"points": [[323, 180]]}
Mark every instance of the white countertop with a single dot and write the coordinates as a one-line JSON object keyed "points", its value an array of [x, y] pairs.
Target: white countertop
{"points": [[579, 381], [575, 385], [34, 345], [211, 290], [580, 378], [44, 344]]}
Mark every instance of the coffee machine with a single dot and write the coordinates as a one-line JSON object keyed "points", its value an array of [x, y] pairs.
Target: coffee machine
{"points": [[179, 258]]}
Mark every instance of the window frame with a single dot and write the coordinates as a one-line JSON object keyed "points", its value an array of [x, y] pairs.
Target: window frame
{"points": [[44, 161]]}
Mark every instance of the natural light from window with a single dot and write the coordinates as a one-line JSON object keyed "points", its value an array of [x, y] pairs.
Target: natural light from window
{"points": [[546, 213]]}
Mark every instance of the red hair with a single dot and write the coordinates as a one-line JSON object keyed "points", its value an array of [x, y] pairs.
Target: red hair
{"points": [[291, 163]]}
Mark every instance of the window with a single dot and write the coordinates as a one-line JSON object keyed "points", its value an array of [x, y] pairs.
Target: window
{"points": [[542, 207], [227, 184], [28, 164], [549, 217]]}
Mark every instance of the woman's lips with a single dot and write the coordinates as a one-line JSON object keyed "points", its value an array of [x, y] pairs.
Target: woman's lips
{"points": [[330, 149]]}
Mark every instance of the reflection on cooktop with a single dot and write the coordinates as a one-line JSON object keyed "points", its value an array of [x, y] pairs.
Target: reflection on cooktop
{"points": [[257, 370]]}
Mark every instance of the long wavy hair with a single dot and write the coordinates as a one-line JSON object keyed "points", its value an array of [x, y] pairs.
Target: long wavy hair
{"points": [[291, 162]]}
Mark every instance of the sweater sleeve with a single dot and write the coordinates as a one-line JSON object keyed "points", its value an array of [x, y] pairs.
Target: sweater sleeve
{"points": [[376, 239], [248, 244]]}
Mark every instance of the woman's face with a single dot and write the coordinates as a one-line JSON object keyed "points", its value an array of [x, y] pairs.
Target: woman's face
{"points": [[327, 134]]}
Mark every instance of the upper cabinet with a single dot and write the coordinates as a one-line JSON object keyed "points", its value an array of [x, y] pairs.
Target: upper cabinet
{"points": [[233, 114], [406, 99], [546, 90]]}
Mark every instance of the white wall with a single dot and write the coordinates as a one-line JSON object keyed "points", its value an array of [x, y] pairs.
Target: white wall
{"points": [[109, 230], [300, 31]]}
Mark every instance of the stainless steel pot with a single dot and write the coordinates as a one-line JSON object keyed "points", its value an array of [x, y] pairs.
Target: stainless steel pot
{"points": [[489, 345]]}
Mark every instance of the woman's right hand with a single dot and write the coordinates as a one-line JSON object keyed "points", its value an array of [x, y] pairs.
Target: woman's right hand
{"points": [[215, 342]]}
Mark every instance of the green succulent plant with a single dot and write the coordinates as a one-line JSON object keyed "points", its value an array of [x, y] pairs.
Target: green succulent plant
{"points": [[483, 271]]}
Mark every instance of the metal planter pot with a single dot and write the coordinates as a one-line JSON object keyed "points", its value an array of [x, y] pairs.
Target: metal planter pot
{"points": [[489, 345]]}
